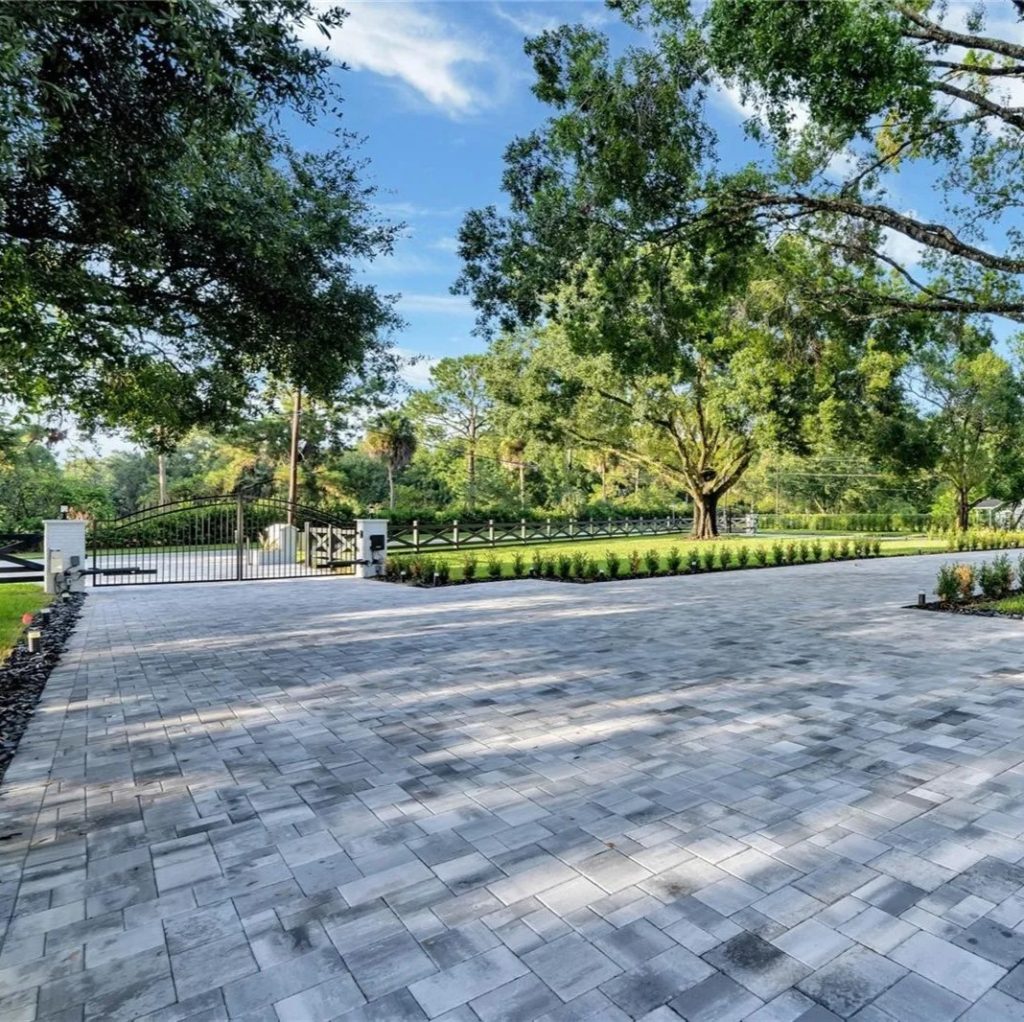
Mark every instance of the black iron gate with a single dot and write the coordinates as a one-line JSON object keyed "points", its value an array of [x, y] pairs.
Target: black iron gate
{"points": [[219, 539]]}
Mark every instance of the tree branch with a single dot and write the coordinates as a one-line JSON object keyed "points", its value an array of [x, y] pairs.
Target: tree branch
{"points": [[931, 31]]}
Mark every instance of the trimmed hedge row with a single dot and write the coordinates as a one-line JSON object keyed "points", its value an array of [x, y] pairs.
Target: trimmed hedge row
{"points": [[582, 567], [846, 522]]}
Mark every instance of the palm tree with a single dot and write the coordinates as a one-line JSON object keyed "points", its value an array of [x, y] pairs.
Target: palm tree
{"points": [[391, 438]]}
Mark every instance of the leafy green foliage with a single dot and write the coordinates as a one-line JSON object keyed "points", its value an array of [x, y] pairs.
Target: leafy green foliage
{"points": [[946, 586], [161, 244], [613, 562], [996, 577]]}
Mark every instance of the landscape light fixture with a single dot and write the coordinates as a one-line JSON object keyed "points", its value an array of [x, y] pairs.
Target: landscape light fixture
{"points": [[34, 639], [64, 509]]}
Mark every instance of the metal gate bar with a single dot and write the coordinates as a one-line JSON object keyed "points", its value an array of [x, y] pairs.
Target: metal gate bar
{"points": [[216, 539]]}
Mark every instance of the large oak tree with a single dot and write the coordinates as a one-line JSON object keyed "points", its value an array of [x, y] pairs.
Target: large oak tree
{"points": [[849, 93], [155, 224]]}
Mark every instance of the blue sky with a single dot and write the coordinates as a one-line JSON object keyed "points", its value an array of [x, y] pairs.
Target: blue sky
{"points": [[439, 89]]}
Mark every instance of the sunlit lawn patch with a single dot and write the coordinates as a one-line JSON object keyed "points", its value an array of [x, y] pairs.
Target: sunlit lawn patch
{"points": [[17, 599]]}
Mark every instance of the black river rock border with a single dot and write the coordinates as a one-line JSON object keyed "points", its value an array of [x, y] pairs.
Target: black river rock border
{"points": [[24, 675]]}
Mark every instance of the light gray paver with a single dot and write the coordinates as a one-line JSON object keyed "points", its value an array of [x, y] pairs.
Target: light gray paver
{"points": [[766, 795]]}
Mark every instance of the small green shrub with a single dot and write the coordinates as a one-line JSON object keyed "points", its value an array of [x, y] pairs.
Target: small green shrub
{"points": [[537, 563], [833, 550], [947, 588], [469, 565], [550, 569], [805, 551], [996, 578], [760, 556], [443, 570], [857, 546], [634, 562], [876, 548], [518, 564], [674, 560], [564, 566], [778, 553], [707, 557], [652, 559], [591, 569], [742, 555], [494, 567], [844, 549], [791, 553], [614, 563], [579, 564], [816, 549], [421, 568], [725, 557]]}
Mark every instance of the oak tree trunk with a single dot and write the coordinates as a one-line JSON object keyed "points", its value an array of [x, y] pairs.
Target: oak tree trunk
{"points": [[963, 510], [705, 515]]}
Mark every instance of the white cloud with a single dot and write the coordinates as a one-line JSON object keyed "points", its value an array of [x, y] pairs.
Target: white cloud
{"points": [[418, 45], [449, 305], [730, 98], [532, 19], [446, 244], [415, 370], [842, 164], [528, 22], [412, 211], [901, 249]]}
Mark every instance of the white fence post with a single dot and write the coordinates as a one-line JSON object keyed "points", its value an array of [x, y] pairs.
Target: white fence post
{"points": [[63, 539], [371, 546]]}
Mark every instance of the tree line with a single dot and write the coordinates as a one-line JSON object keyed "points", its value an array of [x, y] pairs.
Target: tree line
{"points": [[662, 325]]}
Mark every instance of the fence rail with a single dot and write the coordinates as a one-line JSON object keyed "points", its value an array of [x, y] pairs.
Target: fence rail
{"points": [[465, 535]]}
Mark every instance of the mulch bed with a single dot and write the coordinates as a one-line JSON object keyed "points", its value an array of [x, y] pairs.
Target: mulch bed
{"points": [[23, 677], [968, 609]]}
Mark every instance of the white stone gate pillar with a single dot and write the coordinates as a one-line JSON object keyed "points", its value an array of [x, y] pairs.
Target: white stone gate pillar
{"points": [[371, 546], [63, 539]]}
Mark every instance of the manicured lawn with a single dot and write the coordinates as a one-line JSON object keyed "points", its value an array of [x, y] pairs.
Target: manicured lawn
{"points": [[16, 599], [598, 549]]}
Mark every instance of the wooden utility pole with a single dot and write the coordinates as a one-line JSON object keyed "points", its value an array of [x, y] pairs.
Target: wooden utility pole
{"points": [[293, 457], [161, 476]]}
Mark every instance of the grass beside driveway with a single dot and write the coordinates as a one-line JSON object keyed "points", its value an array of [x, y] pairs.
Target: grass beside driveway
{"points": [[16, 599]]}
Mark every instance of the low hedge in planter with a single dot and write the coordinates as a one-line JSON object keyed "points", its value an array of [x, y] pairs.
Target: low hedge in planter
{"points": [[581, 566]]}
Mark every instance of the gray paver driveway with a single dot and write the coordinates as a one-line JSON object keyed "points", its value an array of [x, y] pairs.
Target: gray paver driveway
{"points": [[762, 795]]}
